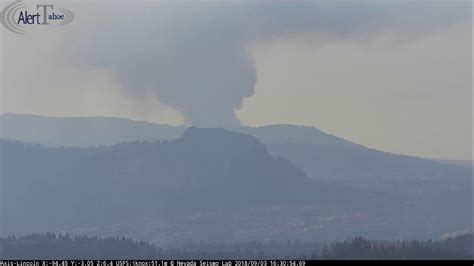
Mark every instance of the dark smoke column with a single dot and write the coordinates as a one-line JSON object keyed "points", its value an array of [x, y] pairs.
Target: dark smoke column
{"points": [[205, 79], [194, 55]]}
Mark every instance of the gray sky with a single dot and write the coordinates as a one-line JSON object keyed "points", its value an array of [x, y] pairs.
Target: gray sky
{"points": [[394, 76]]}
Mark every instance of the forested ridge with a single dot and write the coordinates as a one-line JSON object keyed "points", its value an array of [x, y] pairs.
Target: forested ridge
{"points": [[64, 246]]}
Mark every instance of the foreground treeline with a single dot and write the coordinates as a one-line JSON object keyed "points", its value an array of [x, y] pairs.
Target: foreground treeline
{"points": [[360, 248], [52, 246]]}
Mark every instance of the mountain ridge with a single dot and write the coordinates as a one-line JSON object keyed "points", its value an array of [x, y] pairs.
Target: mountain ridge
{"points": [[13, 125], [187, 174], [213, 178]]}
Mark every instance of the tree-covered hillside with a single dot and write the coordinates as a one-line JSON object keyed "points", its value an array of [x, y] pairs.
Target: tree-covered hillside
{"points": [[64, 246]]}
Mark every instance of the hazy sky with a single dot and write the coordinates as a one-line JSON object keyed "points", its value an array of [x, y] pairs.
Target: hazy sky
{"points": [[395, 75]]}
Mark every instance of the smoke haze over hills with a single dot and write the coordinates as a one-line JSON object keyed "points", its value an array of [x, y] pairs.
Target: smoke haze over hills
{"points": [[211, 177], [277, 126]]}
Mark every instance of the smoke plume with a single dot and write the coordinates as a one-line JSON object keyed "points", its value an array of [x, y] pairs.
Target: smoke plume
{"points": [[196, 57]]}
